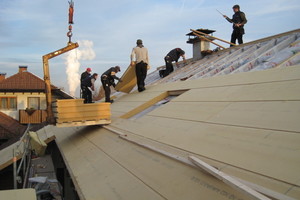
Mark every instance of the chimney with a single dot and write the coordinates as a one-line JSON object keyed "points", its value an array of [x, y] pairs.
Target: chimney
{"points": [[200, 45], [22, 69], [2, 76]]}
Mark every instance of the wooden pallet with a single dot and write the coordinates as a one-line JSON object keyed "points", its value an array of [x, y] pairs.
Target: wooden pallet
{"points": [[73, 112]]}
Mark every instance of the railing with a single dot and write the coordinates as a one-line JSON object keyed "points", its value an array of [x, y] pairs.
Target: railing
{"points": [[32, 116]]}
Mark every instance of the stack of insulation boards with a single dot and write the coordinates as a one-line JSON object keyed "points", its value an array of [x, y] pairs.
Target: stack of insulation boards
{"points": [[73, 112]]}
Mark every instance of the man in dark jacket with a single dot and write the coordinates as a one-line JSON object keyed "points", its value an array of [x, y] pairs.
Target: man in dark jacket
{"points": [[84, 75], [238, 20], [173, 55], [108, 79], [88, 85]]}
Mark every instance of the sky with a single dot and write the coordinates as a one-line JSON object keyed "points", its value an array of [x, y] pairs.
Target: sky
{"points": [[30, 29]]}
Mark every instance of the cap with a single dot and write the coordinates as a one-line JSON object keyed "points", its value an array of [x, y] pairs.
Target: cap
{"points": [[88, 69], [236, 6], [117, 68], [139, 41]]}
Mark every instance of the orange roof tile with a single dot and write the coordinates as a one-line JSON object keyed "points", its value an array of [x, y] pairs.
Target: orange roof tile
{"points": [[23, 81]]}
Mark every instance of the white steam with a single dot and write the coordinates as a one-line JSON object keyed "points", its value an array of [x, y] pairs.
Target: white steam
{"points": [[84, 52]]}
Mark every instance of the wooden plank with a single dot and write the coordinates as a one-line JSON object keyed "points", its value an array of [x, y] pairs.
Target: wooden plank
{"points": [[83, 114], [68, 102], [75, 119], [83, 123], [145, 105], [81, 109], [228, 179], [199, 32], [128, 80], [87, 106]]}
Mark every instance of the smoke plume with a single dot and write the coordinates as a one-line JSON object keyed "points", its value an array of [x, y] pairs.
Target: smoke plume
{"points": [[84, 52]]}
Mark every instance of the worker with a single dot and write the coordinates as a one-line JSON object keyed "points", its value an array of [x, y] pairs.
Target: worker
{"points": [[88, 86], [238, 20], [83, 76], [108, 79], [139, 59], [173, 55]]}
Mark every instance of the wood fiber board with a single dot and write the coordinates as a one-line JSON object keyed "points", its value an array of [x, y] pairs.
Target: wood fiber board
{"points": [[256, 181], [122, 170], [287, 90], [196, 111], [96, 174], [128, 80], [252, 149], [279, 115], [270, 75], [274, 115], [24, 194]]}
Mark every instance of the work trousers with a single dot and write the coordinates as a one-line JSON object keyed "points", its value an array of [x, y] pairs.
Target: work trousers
{"points": [[169, 67], [106, 87], [141, 73], [237, 34], [86, 94]]}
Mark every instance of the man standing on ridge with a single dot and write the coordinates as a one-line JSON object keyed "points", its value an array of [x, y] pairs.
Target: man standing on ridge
{"points": [[108, 79], [238, 20], [139, 58], [173, 55]]}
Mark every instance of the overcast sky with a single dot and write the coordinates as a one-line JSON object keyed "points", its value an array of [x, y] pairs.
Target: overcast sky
{"points": [[30, 29]]}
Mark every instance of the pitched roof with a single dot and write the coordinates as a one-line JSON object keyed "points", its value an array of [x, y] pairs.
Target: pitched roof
{"points": [[244, 124], [23, 81], [10, 127]]}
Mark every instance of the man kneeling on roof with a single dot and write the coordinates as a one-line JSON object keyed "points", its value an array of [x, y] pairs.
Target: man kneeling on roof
{"points": [[108, 79], [173, 55]]}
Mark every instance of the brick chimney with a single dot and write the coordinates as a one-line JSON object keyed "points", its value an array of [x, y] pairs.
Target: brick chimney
{"points": [[2, 76], [22, 69], [199, 44]]}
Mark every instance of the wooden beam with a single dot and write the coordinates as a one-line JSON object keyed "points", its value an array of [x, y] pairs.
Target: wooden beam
{"points": [[145, 105], [69, 47], [203, 37], [199, 32], [228, 179]]}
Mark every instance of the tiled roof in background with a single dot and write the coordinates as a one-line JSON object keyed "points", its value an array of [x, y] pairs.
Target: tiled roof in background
{"points": [[23, 81]]}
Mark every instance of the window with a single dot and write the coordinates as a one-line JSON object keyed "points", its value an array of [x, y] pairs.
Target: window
{"points": [[8, 103], [34, 103]]}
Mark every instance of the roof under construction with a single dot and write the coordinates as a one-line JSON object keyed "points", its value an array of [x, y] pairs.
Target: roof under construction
{"points": [[245, 125]]}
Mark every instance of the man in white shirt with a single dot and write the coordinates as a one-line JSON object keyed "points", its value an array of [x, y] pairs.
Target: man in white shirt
{"points": [[139, 58]]}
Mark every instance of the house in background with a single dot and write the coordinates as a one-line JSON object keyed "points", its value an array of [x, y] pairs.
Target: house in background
{"points": [[22, 96]]}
